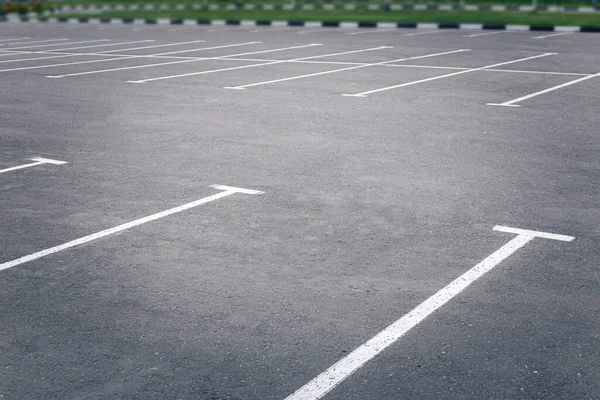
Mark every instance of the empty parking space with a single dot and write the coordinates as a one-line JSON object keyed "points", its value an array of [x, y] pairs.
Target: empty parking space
{"points": [[297, 213]]}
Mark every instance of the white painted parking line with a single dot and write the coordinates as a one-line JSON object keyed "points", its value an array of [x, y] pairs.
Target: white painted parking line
{"points": [[211, 48], [153, 47], [62, 44], [512, 103], [255, 65], [374, 30], [226, 191], [36, 161], [365, 94], [10, 40], [552, 35], [426, 33], [195, 59], [37, 41], [488, 33], [104, 45], [337, 373], [343, 69]]}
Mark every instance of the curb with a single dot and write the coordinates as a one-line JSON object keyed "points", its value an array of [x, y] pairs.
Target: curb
{"points": [[315, 24], [326, 7]]}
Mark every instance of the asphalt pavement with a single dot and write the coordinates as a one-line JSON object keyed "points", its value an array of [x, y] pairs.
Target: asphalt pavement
{"points": [[378, 163]]}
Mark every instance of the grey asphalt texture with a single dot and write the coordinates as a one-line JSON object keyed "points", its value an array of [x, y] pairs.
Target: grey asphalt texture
{"points": [[371, 205]]}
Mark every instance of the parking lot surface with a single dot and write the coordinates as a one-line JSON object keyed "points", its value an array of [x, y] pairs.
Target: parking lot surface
{"points": [[397, 213]]}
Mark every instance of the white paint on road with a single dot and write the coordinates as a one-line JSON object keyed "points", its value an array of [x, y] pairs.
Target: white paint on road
{"points": [[552, 35], [226, 191], [364, 94], [337, 373], [425, 33], [512, 103], [487, 33], [36, 161], [257, 65], [344, 69]]}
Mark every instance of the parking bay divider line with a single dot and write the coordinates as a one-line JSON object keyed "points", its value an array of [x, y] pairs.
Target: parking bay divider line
{"points": [[36, 161], [100, 53], [225, 191], [338, 372], [256, 65], [114, 58], [512, 103], [178, 62], [241, 87], [365, 94], [10, 40], [61, 44], [36, 41]]}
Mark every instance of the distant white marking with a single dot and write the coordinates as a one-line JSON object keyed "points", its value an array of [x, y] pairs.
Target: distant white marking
{"points": [[487, 33], [158, 64], [552, 35], [226, 191], [364, 94], [337, 373], [257, 65], [36, 161], [9, 40], [426, 33], [38, 41], [344, 69], [62, 44], [103, 45], [152, 47], [373, 30], [511, 103]]}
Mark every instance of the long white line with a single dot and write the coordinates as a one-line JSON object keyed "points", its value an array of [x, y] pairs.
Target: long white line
{"points": [[158, 64], [552, 35], [426, 33], [374, 30], [226, 191], [36, 161], [101, 53], [211, 48], [9, 40], [364, 94], [37, 41], [343, 69], [511, 103], [153, 47], [488, 33], [105, 45], [61, 44], [334, 375], [115, 58], [255, 65]]}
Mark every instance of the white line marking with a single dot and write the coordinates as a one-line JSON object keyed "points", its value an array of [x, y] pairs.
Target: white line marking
{"points": [[210, 48], [159, 64], [337, 373], [343, 69], [364, 94], [511, 103], [426, 33], [226, 191], [9, 40], [256, 65], [104, 45], [374, 30], [538, 72], [62, 44], [552, 35], [36, 161], [37, 41], [487, 33]]}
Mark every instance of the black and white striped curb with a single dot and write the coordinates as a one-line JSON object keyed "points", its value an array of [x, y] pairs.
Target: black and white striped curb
{"points": [[351, 6], [316, 24]]}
